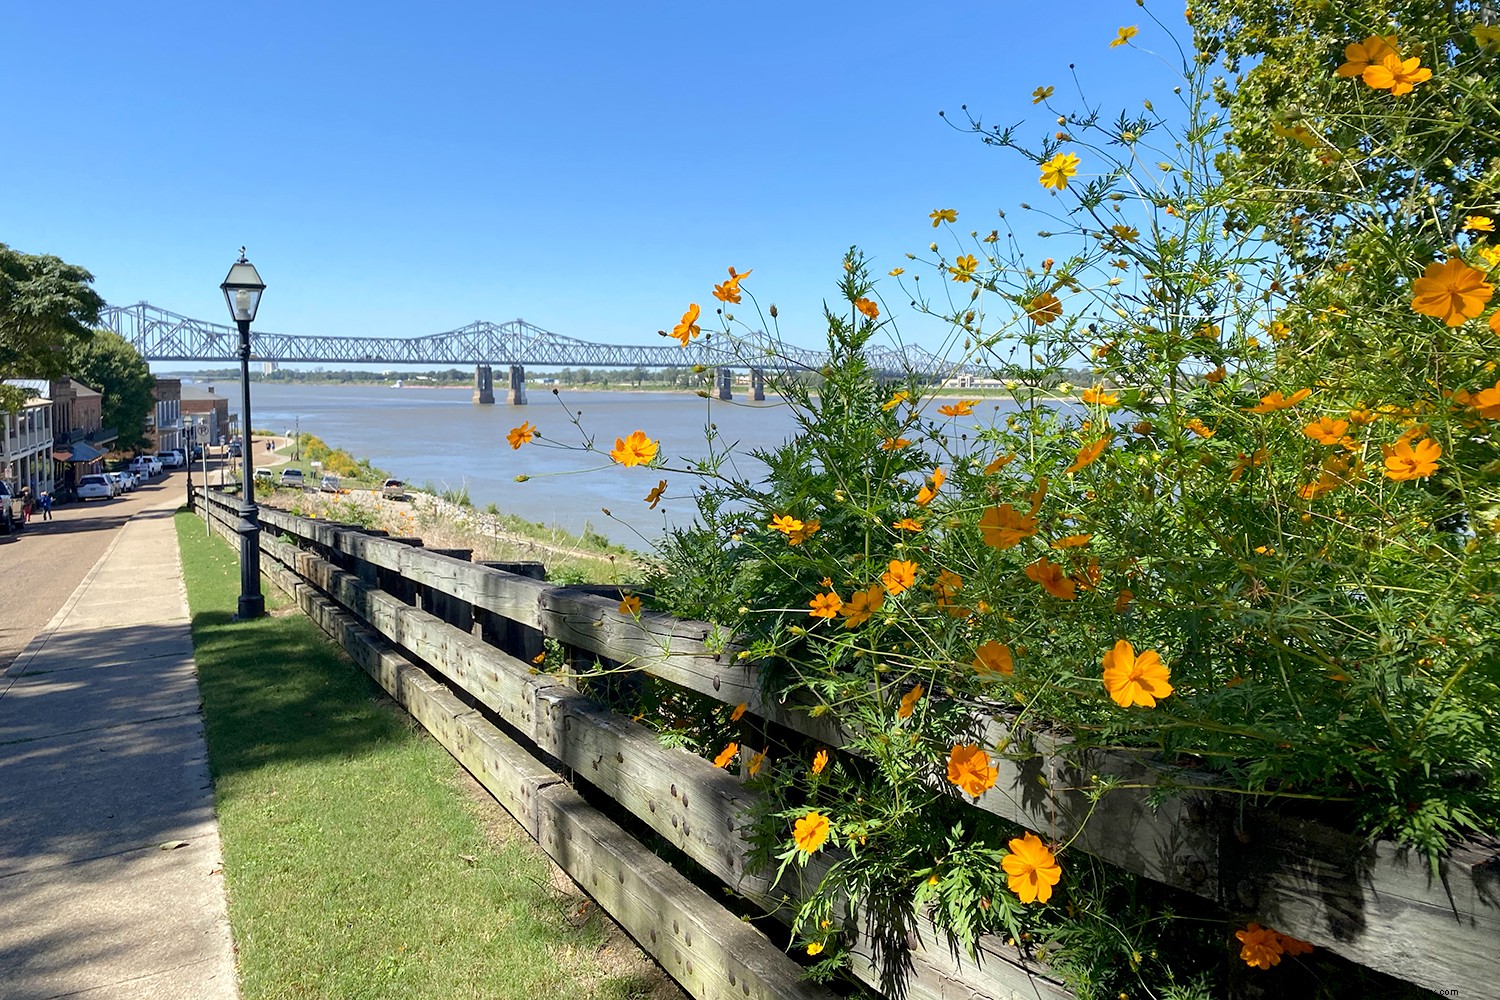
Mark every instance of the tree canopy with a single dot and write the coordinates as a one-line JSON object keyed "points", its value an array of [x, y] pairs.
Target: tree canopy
{"points": [[47, 309], [108, 362]]}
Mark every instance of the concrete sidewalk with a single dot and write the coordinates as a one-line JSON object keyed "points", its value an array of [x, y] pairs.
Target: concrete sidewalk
{"points": [[102, 762]]}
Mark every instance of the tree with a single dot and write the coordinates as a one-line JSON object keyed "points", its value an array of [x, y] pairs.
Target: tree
{"points": [[108, 362], [46, 310]]}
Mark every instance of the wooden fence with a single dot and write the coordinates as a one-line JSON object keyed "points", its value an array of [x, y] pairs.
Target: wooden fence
{"points": [[452, 641]]}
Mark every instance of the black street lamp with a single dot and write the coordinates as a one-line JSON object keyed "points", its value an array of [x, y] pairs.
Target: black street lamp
{"points": [[242, 290]]}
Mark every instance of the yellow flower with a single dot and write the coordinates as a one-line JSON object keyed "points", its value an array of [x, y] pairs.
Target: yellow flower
{"points": [[739, 711], [654, 497], [688, 328], [1040, 94], [861, 605], [1479, 224], [637, 449], [867, 307], [963, 268], [786, 524], [1056, 171], [1491, 256], [1486, 35], [1273, 401], [1003, 527], [1044, 309], [1088, 455], [729, 291], [1199, 428], [1487, 401], [1052, 579], [726, 755], [1031, 869], [815, 948], [630, 605], [1327, 430], [1260, 948], [802, 534], [899, 575], [1128, 234], [894, 444], [1396, 75], [895, 271], [1451, 291], [756, 761], [810, 831], [1097, 395], [1411, 460], [993, 658], [1135, 680], [909, 702], [1072, 541], [1359, 56], [820, 761], [896, 400], [825, 605], [941, 215], [970, 769], [999, 462], [907, 524], [1124, 35], [520, 435], [962, 408], [926, 494]]}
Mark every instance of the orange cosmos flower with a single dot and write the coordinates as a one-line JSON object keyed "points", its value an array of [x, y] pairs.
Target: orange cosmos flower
{"points": [[894, 444], [825, 605], [1451, 291], [726, 755], [861, 605], [1487, 401], [1259, 947], [1360, 56], [962, 408], [926, 494], [1043, 309], [687, 329], [909, 702], [1099, 396], [1040, 94], [1411, 460], [756, 761], [941, 215], [630, 605], [1003, 527], [520, 435], [729, 291], [1052, 579], [786, 524], [802, 534], [907, 524], [1121, 37], [637, 449], [947, 584], [998, 463], [1199, 428], [1327, 430], [970, 769], [993, 658], [1031, 869], [1363, 417], [820, 761], [739, 710], [1056, 171], [1479, 224], [900, 575], [1072, 541], [1396, 75], [896, 400], [810, 831], [1244, 462], [1088, 454], [1123, 599], [963, 267], [1273, 401], [1293, 946], [1135, 680], [867, 307], [1216, 376]]}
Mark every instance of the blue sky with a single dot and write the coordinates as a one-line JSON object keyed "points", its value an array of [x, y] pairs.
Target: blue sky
{"points": [[399, 170]]}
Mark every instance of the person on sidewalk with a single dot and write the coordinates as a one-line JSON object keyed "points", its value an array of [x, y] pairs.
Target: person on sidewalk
{"points": [[45, 503]]}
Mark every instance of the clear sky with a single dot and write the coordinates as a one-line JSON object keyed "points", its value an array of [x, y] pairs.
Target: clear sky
{"points": [[399, 170]]}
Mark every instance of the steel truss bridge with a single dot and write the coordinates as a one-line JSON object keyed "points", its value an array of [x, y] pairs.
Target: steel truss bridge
{"points": [[160, 335]]}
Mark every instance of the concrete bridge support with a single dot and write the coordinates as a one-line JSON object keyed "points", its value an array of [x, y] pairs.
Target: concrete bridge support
{"points": [[517, 395], [724, 378], [484, 386], [758, 385]]}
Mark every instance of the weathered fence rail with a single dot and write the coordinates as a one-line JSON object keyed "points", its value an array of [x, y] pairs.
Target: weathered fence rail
{"points": [[478, 626]]}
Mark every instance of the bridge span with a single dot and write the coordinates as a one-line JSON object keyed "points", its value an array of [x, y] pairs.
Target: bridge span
{"points": [[160, 335]]}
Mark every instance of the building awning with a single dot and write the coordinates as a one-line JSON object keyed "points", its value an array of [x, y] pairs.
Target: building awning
{"points": [[82, 451]]}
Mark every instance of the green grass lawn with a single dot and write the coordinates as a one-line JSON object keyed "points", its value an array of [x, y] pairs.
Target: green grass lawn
{"points": [[356, 863]]}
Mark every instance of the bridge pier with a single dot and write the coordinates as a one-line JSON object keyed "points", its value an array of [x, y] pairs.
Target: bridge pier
{"points": [[724, 377], [758, 385], [517, 394], [484, 385]]}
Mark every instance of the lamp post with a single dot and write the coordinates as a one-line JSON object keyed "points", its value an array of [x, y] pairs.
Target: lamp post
{"points": [[242, 290]]}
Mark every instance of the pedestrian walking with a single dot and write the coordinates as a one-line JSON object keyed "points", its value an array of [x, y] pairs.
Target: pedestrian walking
{"points": [[26, 504], [46, 505]]}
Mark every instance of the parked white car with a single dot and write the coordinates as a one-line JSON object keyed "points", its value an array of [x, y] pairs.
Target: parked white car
{"points": [[95, 487], [118, 481], [329, 483], [171, 459], [144, 468]]}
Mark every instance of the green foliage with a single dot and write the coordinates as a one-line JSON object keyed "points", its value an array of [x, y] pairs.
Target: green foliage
{"points": [[111, 364], [47, 307]]}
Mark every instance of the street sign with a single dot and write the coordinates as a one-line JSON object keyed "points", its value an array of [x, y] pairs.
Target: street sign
{"points": [[200, 432]]}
